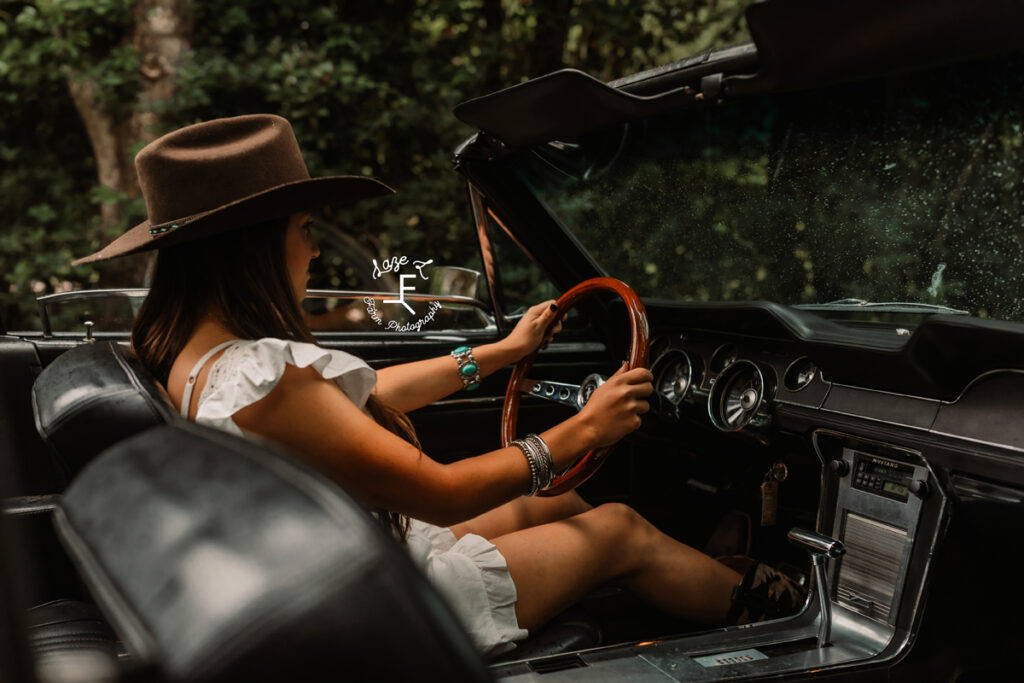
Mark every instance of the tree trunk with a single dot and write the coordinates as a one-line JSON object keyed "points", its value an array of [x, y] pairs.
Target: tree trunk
{"points": [[161, 33], [110, 139]]}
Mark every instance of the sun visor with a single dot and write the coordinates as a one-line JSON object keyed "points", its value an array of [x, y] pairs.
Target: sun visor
{"points": [[810, 43], [563, 103]]}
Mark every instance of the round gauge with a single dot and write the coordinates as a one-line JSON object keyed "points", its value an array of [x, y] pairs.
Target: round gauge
{"points": [[800, 373], [675, 379], [724, 356], [737, 396]]}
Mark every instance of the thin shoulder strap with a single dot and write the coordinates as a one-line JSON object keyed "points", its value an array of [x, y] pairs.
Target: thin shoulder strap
{"points": [[190, 383]]}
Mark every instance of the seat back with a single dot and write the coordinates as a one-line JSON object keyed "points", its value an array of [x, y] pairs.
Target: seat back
{"points": [[93, 396], [20, 444], [218, 558]]}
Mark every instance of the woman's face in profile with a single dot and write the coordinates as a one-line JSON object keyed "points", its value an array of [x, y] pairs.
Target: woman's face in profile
{"points": [[299, 249]]}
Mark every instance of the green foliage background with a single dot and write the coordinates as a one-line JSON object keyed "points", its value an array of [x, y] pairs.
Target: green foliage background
{"points": [[368, 86]]}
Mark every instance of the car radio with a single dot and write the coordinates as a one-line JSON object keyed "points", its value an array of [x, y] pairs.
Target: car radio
{"points": [[881, 476]]}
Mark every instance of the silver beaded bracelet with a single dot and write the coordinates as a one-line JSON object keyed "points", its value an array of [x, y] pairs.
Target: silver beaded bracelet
{"points": [[546, 472], [531, 461], [538, 457]]}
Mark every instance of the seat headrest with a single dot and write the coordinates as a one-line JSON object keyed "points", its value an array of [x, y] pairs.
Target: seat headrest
{"points": [[214, 556], [92, 396]]}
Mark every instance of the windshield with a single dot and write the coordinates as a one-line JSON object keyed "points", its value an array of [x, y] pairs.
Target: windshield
{"points": [[901, 191]]}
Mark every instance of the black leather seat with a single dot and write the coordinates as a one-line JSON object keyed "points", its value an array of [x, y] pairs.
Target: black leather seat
{"points": [[87, 399], [71, 641], [218, 558], [93, 396]]}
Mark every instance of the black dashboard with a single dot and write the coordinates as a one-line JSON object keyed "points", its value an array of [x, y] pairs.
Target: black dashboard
{"points": [[761, 367]]}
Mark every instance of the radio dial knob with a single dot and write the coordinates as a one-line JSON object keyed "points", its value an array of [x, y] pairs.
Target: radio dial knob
{"points": [[840, 467], [919, 487]]}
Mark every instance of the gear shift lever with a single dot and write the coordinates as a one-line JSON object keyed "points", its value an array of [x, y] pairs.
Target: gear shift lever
{"points": [[820, 547]]}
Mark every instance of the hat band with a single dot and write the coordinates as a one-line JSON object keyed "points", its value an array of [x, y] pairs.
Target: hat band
{"points": [[171, 226]]}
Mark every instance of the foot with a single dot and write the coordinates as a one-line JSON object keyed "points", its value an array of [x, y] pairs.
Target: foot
{"points": [[765, 593]]}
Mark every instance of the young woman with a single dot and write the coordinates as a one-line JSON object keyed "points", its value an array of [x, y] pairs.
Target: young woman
{"points": [[222, 328]]}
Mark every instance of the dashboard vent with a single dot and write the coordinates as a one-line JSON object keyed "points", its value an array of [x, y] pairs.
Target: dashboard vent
{"points": [[870, 571]]}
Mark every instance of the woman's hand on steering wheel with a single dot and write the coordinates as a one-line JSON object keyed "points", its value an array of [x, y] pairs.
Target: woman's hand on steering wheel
{"points": [[623, 400], [615, 407], [531, 332]]}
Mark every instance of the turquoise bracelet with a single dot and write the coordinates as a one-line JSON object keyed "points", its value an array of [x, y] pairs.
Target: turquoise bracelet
{"points": [[468, 370]]}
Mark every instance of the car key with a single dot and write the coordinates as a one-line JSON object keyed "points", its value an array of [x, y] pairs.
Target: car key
{"points": [[776, 474]]}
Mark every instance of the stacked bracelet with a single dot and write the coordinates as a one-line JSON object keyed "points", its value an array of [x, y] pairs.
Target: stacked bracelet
{"points": [[468, 369], [546, 471], [538, 457]]}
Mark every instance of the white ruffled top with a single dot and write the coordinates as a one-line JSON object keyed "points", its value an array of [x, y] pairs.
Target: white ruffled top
{"points": [[470, 571], [250, 369]]}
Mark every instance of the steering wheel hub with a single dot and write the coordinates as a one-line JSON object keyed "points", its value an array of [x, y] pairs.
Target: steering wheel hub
{"points": [[587, 387]]}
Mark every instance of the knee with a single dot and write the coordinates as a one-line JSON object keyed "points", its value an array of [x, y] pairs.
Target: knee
{"points": [[618, 520], [624, 538]]}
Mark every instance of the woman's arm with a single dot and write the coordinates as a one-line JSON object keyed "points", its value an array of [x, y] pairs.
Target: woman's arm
{"points": [[315, 419], [413, 385]]}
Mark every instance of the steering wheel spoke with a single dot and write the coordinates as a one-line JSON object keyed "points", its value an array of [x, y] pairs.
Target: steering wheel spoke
{"points": [[559, 392]]}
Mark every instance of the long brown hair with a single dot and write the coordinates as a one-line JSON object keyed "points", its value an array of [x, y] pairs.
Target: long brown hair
{"points": [[244, 273]]}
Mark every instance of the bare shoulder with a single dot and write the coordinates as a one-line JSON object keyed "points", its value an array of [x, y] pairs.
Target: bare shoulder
{"points": [[303, 411], [300, 390]]}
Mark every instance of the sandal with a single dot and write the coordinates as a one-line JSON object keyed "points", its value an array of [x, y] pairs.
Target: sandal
{"points": [[764, 593]]}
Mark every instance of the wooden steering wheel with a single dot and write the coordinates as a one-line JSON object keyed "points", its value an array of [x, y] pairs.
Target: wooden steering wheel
{"points": [[576, 395]]}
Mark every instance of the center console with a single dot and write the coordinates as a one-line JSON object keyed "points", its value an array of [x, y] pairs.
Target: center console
{"points": [[879, 492], [877, 510]]}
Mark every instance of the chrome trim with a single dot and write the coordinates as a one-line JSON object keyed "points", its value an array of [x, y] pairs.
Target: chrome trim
{"points": [[756, 415], [355, 295], [983, 376], [816, 374], [818, 544], [60, 297], [140, 293], [714, 359], [926, 430], [21, 506], [478, 400], [559, 392], [982, 442], [888, 393], [666, 362], [821, 548]]}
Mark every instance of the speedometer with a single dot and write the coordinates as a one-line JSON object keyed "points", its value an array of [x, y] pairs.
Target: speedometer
{"points": [[675, 377], [740, 397]]}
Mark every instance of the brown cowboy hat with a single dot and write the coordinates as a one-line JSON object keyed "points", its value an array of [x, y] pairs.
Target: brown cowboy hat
{"points": [[225, 174]]}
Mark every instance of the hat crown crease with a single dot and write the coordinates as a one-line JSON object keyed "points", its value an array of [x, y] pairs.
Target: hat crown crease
{"points": [[207, 166]]}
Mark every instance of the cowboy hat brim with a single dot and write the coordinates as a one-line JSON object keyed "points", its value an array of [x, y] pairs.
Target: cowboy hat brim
{"points": [[274, 202]]}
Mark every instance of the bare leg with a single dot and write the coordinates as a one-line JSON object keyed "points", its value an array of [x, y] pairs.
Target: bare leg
{"points": [[522, 513], [556, 564]]}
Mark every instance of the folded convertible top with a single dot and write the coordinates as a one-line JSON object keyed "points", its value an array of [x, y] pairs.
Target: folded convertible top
{"points": [[799, 44]]}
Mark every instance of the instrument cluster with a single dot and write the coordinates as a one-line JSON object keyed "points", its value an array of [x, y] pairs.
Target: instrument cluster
{"points": [[734, 388]]}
